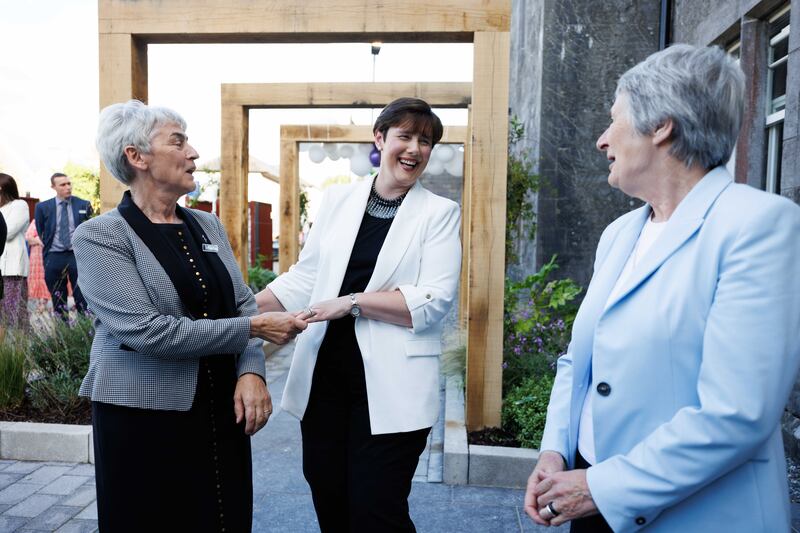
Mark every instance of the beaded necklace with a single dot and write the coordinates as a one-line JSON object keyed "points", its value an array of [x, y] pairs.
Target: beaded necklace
{"points": [[380, 207]]}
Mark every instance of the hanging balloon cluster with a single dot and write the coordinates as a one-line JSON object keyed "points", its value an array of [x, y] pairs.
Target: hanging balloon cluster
{"points": [[365, 158]]}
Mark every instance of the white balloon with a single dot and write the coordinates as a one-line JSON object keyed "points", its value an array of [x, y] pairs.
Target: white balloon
{"points": [[316, 154], [455, 166], [360, 165], [445, 153], [365, 148], [434, 168], [346, 150], [304, 147], [332, 150]]}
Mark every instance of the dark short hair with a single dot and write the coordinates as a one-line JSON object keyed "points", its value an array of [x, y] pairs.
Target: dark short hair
{"points": [[8, 189], [57, 175], [410, 110]]}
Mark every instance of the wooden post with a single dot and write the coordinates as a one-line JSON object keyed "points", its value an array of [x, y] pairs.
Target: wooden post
{"points": [[233, 179], [466, 199], [288, 243], [487, 229], [123, 75]]}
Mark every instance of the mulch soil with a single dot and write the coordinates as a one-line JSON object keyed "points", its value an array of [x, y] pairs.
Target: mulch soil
{"points": [[26, 412], [493, 437]]}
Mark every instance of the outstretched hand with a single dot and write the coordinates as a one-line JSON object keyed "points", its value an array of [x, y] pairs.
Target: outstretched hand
{"points": [[276, 327]]}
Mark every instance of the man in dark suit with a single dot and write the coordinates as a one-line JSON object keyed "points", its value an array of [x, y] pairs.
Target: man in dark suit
{"points": [[56, 220]]}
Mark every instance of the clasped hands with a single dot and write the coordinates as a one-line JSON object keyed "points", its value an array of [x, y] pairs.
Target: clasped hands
{"points": [[280, 327], [555, 496]]}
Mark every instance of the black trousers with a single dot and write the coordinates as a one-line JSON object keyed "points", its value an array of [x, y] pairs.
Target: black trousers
{"points": [[359, 482], [590, 524], [58, 267]]}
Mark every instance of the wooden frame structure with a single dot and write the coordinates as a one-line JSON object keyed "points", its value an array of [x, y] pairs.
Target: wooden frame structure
{"points": [[126, 27], [293, 135]]}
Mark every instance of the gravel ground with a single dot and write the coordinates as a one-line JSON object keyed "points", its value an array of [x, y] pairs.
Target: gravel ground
{"points": [[794, 479]]}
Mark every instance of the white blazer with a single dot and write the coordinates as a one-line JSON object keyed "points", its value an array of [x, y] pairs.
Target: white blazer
{"points": [[421, 257], [14, 261]]}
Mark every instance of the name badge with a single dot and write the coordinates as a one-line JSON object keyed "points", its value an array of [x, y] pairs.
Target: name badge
{"points": [[212, 248], [81, 211]]}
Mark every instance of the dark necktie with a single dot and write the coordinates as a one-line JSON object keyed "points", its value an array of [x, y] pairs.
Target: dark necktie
{"points": [[63, 226]]}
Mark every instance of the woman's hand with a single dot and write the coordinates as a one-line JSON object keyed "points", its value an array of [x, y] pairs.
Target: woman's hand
{"points": [[278, 328], [549, 463], [567, 493], [34, 241], [327, 310], [252, 402]]}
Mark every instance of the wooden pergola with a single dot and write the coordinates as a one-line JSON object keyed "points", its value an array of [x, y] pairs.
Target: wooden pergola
{"points": [[293, 135], [126, 27]]}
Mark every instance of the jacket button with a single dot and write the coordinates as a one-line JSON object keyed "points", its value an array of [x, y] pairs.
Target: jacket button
{"points": [[428, 296], [604, 389], [640, 520]]}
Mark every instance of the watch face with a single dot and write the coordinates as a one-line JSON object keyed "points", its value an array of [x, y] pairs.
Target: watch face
{"points": [[355, 311]]}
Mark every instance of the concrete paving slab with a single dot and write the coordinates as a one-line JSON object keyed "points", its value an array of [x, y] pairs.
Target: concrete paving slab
{"points": [[78, 526], [52, 519], [423, 492], [440, 516], [488, 496], [46, 474], [22, 467], [89, 513], [82, 470], [13, 494], [281, 513], [33, 505], [64, 485], [82, 497], [8, 479], [11, 523]]}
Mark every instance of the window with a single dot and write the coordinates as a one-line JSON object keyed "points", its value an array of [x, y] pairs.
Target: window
{"points": [[777, 60]]}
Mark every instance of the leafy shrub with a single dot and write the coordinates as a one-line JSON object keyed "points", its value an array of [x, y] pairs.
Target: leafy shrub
{"points": [[454, 354], [525, 409], [12, 371], [537, 320], [60, 358], [259, 277]]}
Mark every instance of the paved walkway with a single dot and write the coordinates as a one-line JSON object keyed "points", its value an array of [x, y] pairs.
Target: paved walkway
{"points": [[60, 497]]}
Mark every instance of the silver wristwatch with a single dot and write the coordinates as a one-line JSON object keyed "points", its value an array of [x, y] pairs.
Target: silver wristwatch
{"points": [[355, 309]]}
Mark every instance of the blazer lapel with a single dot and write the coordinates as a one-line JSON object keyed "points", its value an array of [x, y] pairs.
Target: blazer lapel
{"points": [[684, 222], [398, 240]]}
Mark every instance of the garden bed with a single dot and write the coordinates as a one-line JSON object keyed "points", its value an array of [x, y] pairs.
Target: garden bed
{"points": [[80, 414]]}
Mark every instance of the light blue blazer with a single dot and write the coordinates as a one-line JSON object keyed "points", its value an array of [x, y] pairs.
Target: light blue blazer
{"points": [[699, 352]]}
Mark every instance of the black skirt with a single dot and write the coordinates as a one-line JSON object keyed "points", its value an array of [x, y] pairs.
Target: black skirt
{"points": [[175, 470]]}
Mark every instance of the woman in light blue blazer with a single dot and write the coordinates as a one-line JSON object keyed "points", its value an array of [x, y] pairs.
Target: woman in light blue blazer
{"points": [[665, 413]]}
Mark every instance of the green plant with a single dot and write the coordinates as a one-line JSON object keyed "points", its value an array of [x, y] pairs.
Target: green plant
{"points": [[454, 354], [537, 319], [85, 183], [213, 181], [303, 207], [259, 277], [520, 182], [59, 355], [12, 370], [525, 409]]}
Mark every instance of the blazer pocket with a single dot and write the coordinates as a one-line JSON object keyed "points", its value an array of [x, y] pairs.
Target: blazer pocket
{"points": [[416, 348]]}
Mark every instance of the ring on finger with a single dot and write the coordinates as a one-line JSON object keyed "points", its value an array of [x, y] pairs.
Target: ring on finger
{"points": [[552, 509]]}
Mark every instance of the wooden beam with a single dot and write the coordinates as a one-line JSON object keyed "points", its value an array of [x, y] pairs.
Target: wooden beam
{"points": [[291, 136], [487, 229], [123, 75], [232, 18], [357, 95], [233, 179], [466, 202]]}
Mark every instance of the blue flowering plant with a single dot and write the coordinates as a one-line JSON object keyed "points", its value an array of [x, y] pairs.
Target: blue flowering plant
{"points": [[537, 322]]}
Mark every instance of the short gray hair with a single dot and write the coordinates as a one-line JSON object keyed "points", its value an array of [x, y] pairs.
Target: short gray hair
{"points": [[129, 124], [700, 89]]}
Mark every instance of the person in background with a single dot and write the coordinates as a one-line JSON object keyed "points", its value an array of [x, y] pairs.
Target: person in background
{"points": [[37, 288], [377, 275], [14, 260], [176, 371], [56, 220], [665, 412]]}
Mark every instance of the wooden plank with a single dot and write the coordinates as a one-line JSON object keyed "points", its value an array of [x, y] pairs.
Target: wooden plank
{"points": [[233, 179], [288, 244], [487, 229], [357, 95], [466, 201], [123, 75], [229, 18]]}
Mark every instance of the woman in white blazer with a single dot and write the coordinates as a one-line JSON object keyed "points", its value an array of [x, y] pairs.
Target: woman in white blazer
{"points": [[14, 261], [376, 277], [665, 412]]}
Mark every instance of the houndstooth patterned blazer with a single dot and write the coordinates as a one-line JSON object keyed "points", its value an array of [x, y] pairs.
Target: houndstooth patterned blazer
{"points": [[146, 347]]}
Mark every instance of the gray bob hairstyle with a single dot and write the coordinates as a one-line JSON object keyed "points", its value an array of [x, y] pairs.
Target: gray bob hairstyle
{"points": [[700, 89], [129, 124]]}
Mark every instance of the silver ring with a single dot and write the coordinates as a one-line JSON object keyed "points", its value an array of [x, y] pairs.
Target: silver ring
{"points": [[552, 509], [310, 312]]}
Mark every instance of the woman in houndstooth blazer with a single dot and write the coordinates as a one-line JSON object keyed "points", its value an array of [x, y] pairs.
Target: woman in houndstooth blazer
{"points": [[176, 373]]}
